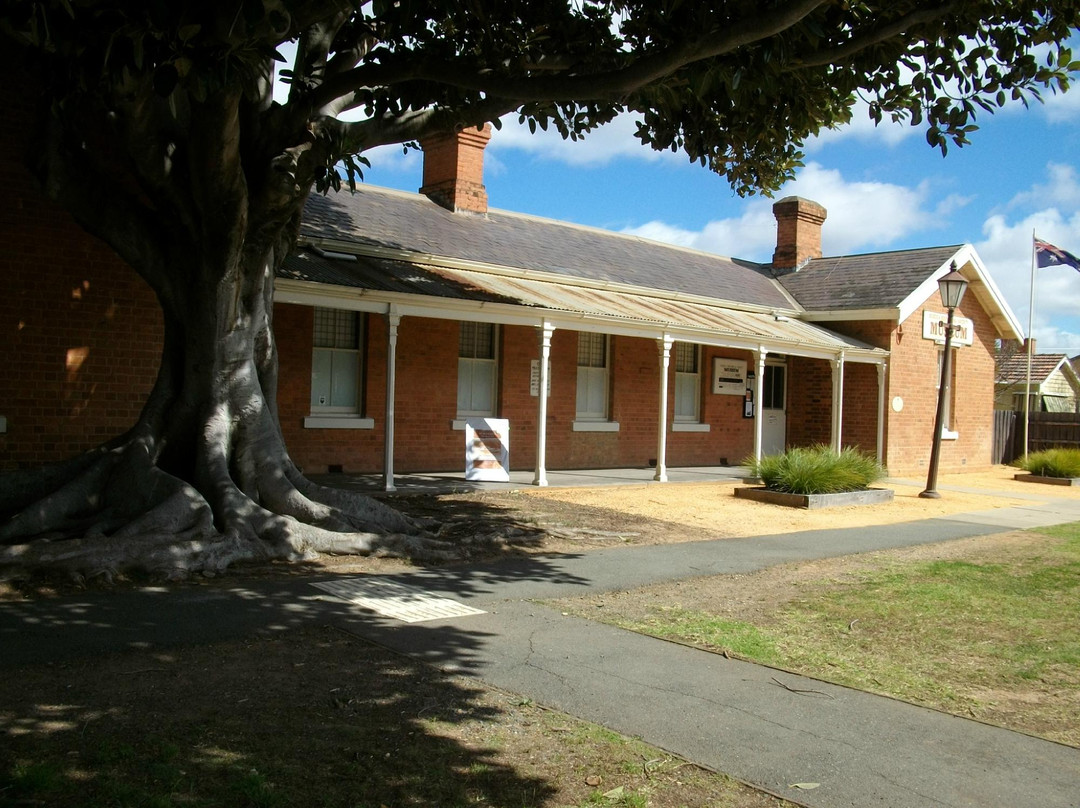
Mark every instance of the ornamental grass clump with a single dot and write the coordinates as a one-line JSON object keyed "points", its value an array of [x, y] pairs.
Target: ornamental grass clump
{"points": [[817, 470], [1052, 463]]}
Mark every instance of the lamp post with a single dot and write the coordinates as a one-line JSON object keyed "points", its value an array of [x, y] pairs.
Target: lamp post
{"points": [[952, 287]]}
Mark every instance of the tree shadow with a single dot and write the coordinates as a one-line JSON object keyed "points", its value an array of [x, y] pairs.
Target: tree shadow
{"points": [[305, 716]]}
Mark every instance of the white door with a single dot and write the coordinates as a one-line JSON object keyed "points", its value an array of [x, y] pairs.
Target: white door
{"points": [[773, 410]]}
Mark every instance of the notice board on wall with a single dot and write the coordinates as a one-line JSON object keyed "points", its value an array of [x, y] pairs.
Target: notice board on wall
{"points": [[729, 376]]}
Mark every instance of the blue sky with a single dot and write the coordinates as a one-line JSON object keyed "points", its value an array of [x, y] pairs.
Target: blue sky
{"points": [[883, 187]]}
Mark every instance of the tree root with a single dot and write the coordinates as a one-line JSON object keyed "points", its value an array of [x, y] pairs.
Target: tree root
{"points": [[122, 513]]}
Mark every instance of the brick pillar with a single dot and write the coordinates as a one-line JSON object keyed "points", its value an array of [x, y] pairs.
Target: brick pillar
{"points": [[798, 232], [454, 169]]}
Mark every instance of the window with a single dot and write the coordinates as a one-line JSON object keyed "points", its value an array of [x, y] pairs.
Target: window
{"points": [[592, 377], [687, 382], [476, 369], [335, 363], [772, 392]]}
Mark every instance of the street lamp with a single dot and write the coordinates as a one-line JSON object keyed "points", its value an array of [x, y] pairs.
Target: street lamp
{"points": [[952, 287]]}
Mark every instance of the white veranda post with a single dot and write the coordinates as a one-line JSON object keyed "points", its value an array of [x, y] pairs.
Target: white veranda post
{"points": [[392, 322], [663, 347], [544, 333], [759, 397]]}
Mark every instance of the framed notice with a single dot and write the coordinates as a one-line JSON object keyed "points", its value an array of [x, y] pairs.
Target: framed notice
{"points": [[487, 449], [729, 376]]}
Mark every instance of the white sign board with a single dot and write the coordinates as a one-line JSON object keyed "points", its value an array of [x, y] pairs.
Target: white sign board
{"points": [[729, 376], [534, 378], [487, 449], [933, 327]]}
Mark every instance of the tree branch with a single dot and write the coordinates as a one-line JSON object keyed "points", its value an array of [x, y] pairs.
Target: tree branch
{"points": [[875, 36], [609, 85], [417, 124]]}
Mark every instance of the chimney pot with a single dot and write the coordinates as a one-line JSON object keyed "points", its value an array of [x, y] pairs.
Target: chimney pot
{"points": [[454, 169], [798, 232]]}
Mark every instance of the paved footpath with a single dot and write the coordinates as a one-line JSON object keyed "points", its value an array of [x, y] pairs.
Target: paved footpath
{"points": [[760, 725]]}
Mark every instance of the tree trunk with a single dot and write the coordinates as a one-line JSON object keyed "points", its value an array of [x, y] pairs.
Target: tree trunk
{"points": [[203, 479]]}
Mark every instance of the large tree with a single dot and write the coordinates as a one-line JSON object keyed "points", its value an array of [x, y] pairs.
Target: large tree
{"points": [[158, 131]]}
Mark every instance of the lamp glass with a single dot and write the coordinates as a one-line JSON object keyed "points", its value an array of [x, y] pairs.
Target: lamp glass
{"points": [[952, 288]]}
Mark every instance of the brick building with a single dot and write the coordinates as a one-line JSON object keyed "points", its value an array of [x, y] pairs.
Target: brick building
{"points": [[401, 315]]}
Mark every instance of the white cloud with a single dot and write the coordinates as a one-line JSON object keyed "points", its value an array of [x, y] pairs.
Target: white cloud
{"points": [[1061, 107], [861, 216], [1006, 251], [598, 148], [1062, 188]]}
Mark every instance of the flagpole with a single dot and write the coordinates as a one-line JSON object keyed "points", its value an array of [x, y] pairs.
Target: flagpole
{"points": [[1031, 318]]}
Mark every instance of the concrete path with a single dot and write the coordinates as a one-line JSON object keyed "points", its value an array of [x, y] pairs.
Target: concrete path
{"points": [[766, 727]]}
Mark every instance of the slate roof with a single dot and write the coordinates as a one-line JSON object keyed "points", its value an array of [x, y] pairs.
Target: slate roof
{"points": [[857, 282], [1014, 369], [411, 222]]}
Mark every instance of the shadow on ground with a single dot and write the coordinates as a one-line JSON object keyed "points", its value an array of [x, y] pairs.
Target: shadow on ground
{"points": [[309, 716]]}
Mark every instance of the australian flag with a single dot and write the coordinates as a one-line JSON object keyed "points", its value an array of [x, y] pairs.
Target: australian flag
{"points": [[1047, 255]]}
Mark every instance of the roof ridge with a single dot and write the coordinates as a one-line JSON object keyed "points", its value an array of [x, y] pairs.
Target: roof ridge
{"points": [[952, 247]]}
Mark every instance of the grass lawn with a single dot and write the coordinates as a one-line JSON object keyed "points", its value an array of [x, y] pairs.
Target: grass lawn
{"points": [[995, 639]]}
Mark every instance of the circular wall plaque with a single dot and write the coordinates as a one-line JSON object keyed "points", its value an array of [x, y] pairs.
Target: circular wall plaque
{"points": [[897, 404]]}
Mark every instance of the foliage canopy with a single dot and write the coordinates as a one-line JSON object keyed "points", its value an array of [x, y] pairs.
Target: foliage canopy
{"points": [[738, 86]]}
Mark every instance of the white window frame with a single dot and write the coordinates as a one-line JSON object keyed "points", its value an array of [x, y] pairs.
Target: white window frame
{"points": [[473, 368], [687, 383], [593, 385], [338, 416]]}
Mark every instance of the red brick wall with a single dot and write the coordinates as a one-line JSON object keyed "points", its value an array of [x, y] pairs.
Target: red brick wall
{"points": [[809, 401], [912, 376], [80, 332], [427, 401]]}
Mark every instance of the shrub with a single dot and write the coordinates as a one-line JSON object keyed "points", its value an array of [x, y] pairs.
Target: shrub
{"points": [[817, 470], [1052, 463]]}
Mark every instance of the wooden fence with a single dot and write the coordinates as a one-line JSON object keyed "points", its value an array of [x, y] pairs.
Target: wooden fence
{"points": [[1046, 430]]}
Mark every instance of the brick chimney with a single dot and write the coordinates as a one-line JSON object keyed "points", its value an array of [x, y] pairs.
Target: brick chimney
{"points": [[454, 169], [798, 232]]}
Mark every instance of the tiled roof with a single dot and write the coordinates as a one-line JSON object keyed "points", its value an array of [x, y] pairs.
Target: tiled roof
{"points": [[411, 222], [871, 281], [1014, 369]]}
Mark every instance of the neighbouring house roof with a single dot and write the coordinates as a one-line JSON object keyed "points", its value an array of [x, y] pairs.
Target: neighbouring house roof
{"points": [[1014, 369]]}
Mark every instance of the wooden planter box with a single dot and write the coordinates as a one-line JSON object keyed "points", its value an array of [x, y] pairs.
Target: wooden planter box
{"points": [[1035, 478], [871, 496]]}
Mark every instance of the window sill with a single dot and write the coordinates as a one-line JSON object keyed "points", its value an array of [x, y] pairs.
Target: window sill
{"points": [[596, 426], [686, 426], [947, 435], [338, 422]]}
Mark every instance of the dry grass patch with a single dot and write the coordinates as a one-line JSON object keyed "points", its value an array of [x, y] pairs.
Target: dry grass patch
{"points": [[983, 628]]}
